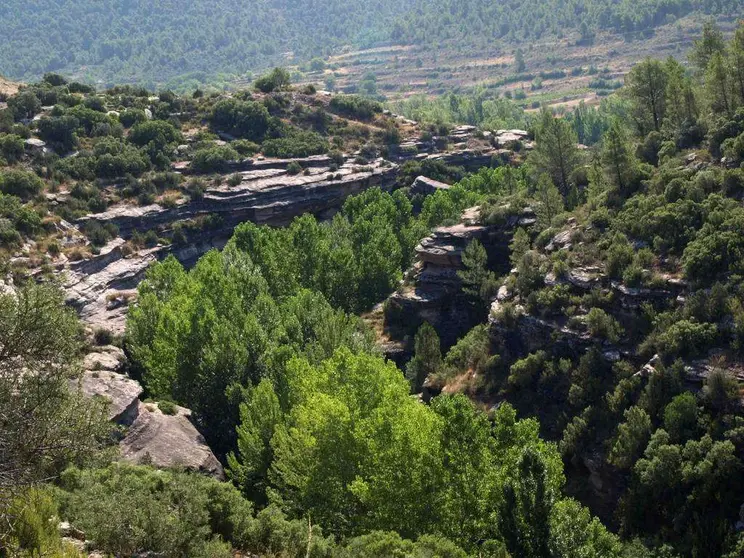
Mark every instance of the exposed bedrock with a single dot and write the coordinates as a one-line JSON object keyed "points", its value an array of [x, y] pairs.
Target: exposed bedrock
{"points": [[265, 196], [148, 434], [434, 293]]}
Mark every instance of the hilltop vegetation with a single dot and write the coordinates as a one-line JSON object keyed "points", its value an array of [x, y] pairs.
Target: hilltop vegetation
{"points": [[163, 42]]}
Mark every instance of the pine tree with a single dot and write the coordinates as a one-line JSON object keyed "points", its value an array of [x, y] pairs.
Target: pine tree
{"points": [[680, 102], [556, 153], [710, 43], [519, 64], [520, 244], [645, 86], [618, 160], [736, 61], [427, 358], [551, 201], [718, 85]]}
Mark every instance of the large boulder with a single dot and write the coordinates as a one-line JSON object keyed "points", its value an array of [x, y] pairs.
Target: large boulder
{"points": [[427, 186], [165, 440], [100, 379]]}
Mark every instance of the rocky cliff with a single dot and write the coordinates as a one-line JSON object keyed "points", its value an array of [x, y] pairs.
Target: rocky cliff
{"points": [[433, 291]]}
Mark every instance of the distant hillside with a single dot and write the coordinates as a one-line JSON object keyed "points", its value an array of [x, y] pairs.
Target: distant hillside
{"points": [[153, 43], [474, 21]]}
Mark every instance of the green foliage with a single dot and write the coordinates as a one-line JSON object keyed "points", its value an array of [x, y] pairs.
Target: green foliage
{"points": [[645, 86], [477, 280], [556, 154], [550, 200], [276, 80], [11, 147], [618, 160], [46, 424], [22, 184], [247, 119], [296, 143], [427, 359], [155, 132], [22, 217], [126, 509], [354, 106], [681, 417], [115, 158], [213, 159], [602, 325], [259, 417], [632, 437], [683, 480]]}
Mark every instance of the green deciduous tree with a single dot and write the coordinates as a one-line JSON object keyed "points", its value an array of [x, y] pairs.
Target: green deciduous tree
{"points": [[259, 417]]}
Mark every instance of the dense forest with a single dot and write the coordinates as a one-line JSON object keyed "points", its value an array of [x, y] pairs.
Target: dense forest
{"points": [[633, 260], [168, 42]]}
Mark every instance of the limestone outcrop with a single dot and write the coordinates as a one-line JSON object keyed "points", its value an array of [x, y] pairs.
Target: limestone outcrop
{"points": [[149, 434], [165, 440], [100, 378], [268, 194], [434, 293]]}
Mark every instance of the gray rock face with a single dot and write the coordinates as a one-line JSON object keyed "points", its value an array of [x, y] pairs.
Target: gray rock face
{"points": [[267, 195], [122, 392], [427, 186], [100, 379], [108, 358], [100, 288], [434, 294], [168, 441]]}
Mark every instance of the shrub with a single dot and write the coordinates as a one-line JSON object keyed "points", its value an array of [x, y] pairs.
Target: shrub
{"points": [[235, 180], [297, 143], [686, 339], [158, 132], [11, 147], [127, 509], [195, 188], [247, 119], [22, 184], [354, 106], [601, 324], [131, 116], [245, 147], [294, 168], [167, 407], [619, 256], [102, 337], [213, 159], [99, 234], [277, 79]]}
